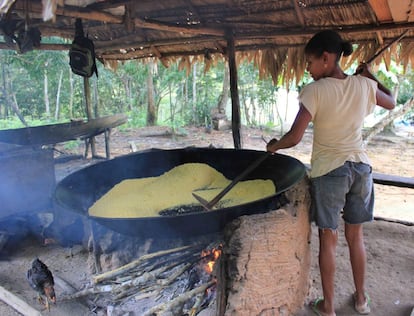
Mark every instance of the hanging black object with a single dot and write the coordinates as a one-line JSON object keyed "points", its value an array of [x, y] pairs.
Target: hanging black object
{"points": [[82, 53]]}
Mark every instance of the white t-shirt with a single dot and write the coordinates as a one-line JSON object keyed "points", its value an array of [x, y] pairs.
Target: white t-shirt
{"points": [[338, 108]]}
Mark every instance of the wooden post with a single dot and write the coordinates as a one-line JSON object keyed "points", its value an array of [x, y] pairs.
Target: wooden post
{"points": [[87, 92], [235, 103]]}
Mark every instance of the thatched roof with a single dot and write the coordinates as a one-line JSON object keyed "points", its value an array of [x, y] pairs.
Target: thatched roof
{"points": [[272, 33]]}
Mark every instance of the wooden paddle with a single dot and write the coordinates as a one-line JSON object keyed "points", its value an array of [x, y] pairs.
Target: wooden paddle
{"points": [[209, 205], [397, 39]]}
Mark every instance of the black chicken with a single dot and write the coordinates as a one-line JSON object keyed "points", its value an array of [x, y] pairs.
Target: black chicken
{"points": [[41, 279]]}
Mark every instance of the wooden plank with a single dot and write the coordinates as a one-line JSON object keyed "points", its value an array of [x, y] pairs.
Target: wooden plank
{"points": [[382, 10], [387, 179], [401, 10], [396, 181], [17, 303]]}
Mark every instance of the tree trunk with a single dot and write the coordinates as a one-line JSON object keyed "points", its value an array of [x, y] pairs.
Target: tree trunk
{"points": [[46, 94], [151, 113], [195, 120], [16, 110], [57, 109], [87, 93], [286, 105], [4, 89], [377, 128], [185, 92], [128, 93], [95, 98], [246, 109], [72, 91], [171, 106], [254, 119], [11, 98], [224, 96]]}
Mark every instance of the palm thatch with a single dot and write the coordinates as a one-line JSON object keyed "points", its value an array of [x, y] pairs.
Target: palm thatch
{"points": [[270, 33]]}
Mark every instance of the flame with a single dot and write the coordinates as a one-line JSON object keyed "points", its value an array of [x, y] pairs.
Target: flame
{"points": [[212, 256]]}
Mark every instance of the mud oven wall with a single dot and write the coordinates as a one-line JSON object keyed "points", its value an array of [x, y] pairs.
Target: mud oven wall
{"points": [[268, 259]]}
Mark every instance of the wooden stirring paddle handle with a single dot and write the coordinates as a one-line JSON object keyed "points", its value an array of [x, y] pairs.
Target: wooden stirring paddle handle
{"points": [[218, 197]]}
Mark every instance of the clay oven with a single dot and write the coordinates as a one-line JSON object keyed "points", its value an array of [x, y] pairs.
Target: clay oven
{"points": [[264, 257]]}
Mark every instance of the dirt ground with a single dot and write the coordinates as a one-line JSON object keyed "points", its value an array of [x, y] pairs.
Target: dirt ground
{"points": [[390, 251]]}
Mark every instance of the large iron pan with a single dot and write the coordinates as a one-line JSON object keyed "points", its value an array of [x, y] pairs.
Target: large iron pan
{"points": [[78, 191]]}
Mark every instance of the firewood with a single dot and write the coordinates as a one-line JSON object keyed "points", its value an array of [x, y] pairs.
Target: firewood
{"points": [[175, 275], [149, 276], [123, 289], [89, 291], [197, 305], [146, 295], [116, 272], [181, 299]]}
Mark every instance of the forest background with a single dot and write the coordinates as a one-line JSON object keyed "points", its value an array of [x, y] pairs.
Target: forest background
{"points": [[38, 88]]}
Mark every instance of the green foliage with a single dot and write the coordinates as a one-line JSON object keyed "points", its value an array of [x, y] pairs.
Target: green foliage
{"points": [[405, 91], [136, 118], [181, 99], [11, 122], [72, 145], [14, 122]]}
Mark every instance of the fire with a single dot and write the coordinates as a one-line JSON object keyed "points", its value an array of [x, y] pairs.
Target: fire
{"points": [[211, 257]]}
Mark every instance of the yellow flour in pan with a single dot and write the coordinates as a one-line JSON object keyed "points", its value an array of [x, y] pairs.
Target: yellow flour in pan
{"points": [[146, 197]]}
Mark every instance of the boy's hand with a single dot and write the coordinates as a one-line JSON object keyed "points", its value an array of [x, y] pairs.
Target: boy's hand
{"points": [[270, 145], [364, 70]]}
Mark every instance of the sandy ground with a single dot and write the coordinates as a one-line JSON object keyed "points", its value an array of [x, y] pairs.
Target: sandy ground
{"points": [[390, 275]]}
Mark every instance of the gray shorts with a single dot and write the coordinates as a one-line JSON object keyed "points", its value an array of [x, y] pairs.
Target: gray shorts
{"points": [[349, 188]]}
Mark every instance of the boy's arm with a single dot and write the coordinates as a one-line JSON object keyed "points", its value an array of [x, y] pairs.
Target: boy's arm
{"points": [[384, 96], [295, 134]]}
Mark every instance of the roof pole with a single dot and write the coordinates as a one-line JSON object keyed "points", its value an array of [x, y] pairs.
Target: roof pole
{"points": [[234, 92]]}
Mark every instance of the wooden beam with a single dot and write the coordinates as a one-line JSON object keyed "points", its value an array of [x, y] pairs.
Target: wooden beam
{"points": [[95, 15], [146, 51], [380, 38], [382, 10], [113, 52], [310, 31], [71, 11], [169, 27], [298, 12]]}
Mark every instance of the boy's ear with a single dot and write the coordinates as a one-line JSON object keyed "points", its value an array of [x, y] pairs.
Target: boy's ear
{"points": [[325, 56]]}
